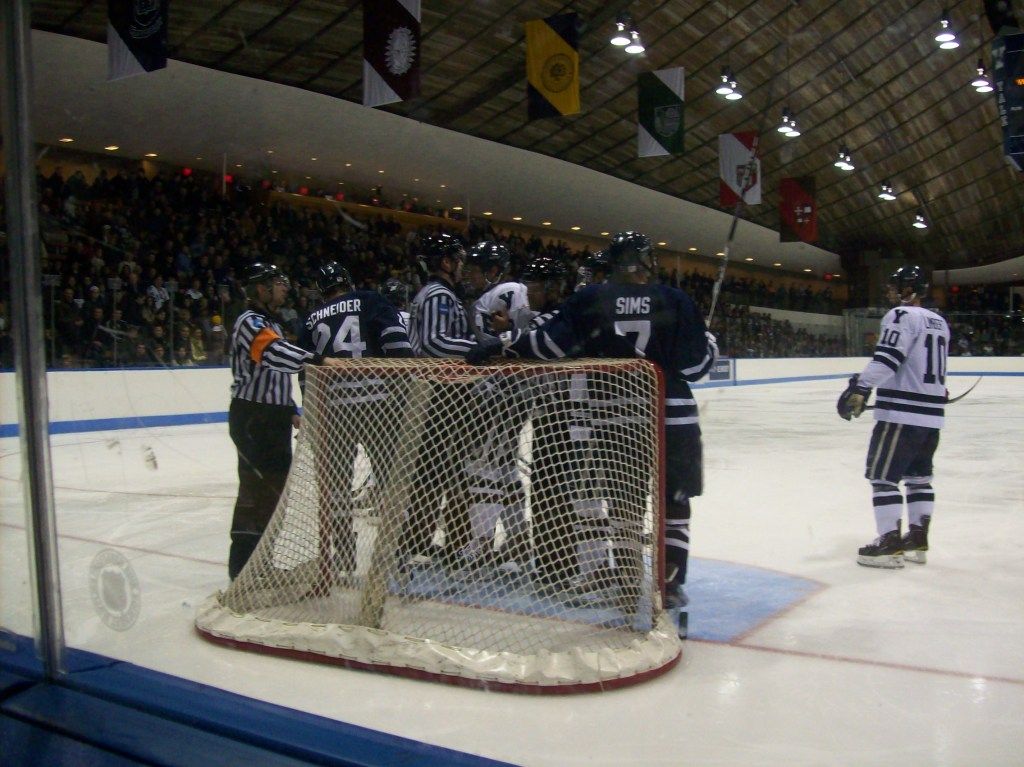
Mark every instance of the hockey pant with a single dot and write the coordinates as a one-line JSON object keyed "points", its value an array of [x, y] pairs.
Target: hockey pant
{"points": [[900, 452], [684, 479], [263, 439]]}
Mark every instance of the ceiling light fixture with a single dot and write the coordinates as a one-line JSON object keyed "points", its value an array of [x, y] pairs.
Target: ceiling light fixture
{"points": [[635, 46], [981, 83], [112, 148], [66, 140], [919, 221], [725, 89], [844, 160], [734, 89], [946, 37], [886, 193], [784, 122], [620, 36], [788, 125], [575, 228], [150, 154], [517, 218]]}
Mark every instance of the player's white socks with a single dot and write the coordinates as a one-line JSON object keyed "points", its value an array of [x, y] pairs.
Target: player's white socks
{"points": [[920, 498], [888, 502]]}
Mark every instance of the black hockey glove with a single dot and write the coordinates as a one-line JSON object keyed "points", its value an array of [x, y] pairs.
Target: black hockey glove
{"points": [[851, 402], [483, 351]]}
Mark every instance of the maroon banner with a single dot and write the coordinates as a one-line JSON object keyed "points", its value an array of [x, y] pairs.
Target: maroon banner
{"points": [[798, 212]]}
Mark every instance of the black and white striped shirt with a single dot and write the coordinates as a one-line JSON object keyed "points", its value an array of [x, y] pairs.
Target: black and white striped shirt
{"points": [[262, 361], [439, 326]]}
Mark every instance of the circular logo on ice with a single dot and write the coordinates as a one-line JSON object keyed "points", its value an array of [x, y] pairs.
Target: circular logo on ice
{"points": [[115, 590]]}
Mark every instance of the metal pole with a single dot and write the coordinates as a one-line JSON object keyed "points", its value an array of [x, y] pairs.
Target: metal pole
{"points": [[29, 348]]}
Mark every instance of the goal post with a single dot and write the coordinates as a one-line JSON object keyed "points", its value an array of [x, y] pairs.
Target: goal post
{"points": [[499, 527]]}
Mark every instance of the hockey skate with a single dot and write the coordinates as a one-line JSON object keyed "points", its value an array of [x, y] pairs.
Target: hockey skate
{"points": [[915, 542], [676, 601], [886, 551]]}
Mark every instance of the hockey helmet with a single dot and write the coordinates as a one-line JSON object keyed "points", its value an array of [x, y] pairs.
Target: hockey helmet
{"points": [[909, 280], [592, 264], [630, 252], [543, 268], [488, 255], [332, 275], [434, 247], [396, 292], [259, 272]]}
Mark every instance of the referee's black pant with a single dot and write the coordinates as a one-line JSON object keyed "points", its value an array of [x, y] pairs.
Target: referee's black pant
{"points": [[263, 438]]}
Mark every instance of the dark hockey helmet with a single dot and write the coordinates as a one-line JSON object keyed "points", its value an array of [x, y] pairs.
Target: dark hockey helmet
{"points": [[631, 251], [332, 275], [543, 268], [909, 279], [434, 247], [260, 272], [489, 254], [592, 264], [396, 292]]}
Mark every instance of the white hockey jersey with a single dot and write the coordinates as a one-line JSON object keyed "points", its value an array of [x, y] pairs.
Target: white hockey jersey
{"points": [[908, 368], [510, 297]]}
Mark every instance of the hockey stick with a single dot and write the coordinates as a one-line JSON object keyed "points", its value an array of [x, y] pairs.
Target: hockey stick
{"points": [[957, 398], [747, 172]]}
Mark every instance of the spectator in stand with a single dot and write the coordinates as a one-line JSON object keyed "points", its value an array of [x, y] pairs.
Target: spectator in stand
{"points": [[158, 293]]}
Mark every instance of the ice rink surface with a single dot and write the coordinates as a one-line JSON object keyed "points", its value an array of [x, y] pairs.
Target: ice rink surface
{"points": [[799, 656]]}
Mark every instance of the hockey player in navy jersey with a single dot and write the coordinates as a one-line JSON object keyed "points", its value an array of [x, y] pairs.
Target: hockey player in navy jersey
{"points": [[908, 370], [627, 317], [354, 324]]}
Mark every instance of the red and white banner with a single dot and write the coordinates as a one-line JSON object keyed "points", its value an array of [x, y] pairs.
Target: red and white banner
{"points": [[391, 51], [735, 151]]}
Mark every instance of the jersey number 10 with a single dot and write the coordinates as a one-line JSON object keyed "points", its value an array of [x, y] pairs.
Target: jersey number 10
{"points": [[935, 351]]}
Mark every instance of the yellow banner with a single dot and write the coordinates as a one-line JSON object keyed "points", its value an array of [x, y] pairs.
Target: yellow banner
{"points": [[552, 69]]}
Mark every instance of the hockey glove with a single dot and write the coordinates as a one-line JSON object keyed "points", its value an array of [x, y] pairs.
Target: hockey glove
{"points": [[851, 402], [483, 351]]}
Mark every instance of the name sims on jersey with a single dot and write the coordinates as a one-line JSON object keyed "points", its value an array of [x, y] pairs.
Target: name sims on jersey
{"points": [[936, 323], [351, 306], [634, 305]]}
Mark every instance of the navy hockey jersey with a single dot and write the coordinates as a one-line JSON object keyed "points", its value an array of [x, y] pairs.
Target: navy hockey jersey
{"points": [[360, 323], [653, 322]]}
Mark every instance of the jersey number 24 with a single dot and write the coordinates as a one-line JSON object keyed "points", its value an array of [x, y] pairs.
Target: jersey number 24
{"points": [[347, 340]]}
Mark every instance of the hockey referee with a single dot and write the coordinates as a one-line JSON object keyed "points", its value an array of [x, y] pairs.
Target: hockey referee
{"points": [[262, 411]]}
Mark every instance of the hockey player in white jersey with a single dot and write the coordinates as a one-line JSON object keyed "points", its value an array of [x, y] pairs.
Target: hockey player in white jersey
{"points": [[495, 487], [908, 370], [484, 278]]}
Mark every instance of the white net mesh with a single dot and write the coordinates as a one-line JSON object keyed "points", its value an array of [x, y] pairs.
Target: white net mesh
{"points": [[496, 526]]}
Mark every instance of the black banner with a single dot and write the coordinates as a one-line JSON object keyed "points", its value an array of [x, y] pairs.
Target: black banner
{"points": [[136, 37], [1008, 71]]}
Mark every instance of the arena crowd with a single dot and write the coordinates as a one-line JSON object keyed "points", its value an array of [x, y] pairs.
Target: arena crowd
{"points": [[140, 271]]}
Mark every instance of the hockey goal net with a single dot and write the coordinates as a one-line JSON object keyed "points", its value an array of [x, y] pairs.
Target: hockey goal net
{"points": [[498, 527]]}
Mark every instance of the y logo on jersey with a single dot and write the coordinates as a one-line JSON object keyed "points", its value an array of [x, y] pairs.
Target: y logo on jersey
{"points": [[899, 313]]}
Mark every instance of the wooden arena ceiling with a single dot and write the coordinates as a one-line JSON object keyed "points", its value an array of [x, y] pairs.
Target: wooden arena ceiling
{"points": [[865, 74]]}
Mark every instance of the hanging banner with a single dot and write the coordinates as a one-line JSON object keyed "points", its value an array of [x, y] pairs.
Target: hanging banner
{"points": [[391, 51], [136, 37], [1008, 72], [798, 212], [660, 112], [734, 154], [552, 66]]}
